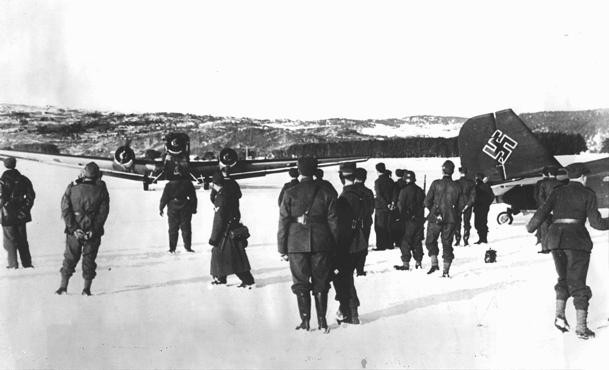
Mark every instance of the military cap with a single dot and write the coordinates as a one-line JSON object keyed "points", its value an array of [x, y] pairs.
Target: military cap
{"points": [[347, 169], [10, 162], [307, 166], [576, 170], [399, 172], [319, 173], [448, 167], [91, 171], [293, 172], [361, 174], [380, 167]]}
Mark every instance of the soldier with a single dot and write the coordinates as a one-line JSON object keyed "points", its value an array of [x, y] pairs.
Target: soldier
{"points": [[397, 223], [468, 189], [360, 178], [228, 254], [319, 177], [442, 200], [181, 200], [412, 209], [306, 237], [293, 172], [484, 199], [570, 243], [352, 209], [545, 188], [538, 184], [16, 201], [84, 208], [383, 188]]}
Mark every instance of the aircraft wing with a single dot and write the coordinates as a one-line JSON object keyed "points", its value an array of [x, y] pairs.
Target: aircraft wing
{"points": [[256, 168], [502, 147], [78, 162]]}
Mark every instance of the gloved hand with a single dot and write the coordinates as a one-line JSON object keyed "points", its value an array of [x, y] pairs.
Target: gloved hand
{"points": [[79, 234], [88, 235], [194, 212], [213, 243], [285, 257], [161, 212]]}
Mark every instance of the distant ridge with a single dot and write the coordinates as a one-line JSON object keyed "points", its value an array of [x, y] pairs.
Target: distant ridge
{"points": [[89, 132]]}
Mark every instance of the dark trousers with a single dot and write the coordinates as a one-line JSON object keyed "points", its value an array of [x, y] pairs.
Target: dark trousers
{"points": [[310, 271], [572, 268], [445, 231], [15, 240], [481, 221], [74, 249], [382, 228], [179, 220], [361, 261], [344, 284], [412, 242], [465, 220]]}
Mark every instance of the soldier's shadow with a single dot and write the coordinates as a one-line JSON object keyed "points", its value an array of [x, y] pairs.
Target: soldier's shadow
{"points": [[431, 300]]}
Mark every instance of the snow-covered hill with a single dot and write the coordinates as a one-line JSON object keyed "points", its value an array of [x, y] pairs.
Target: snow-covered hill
{"points": [[155, 310]]}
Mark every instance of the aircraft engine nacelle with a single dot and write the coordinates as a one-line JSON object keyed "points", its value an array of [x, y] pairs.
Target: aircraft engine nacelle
{"points": [[124, 158], [228, 157]]}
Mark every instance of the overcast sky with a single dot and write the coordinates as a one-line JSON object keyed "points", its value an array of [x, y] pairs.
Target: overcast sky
{"points": [[306, 59]]}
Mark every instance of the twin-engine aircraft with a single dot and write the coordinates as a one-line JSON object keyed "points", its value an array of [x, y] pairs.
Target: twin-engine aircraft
{"points": [[175, 160], [503, 148]]}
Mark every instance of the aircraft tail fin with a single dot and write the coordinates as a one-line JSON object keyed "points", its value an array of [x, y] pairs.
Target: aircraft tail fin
{"points": [[502, 147]]}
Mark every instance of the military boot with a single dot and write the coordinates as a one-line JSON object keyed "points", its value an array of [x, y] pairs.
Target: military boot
{"points": [[342, 315], [434, 265], [457, 240], [304, 308], [581, 329], [446, 269], [87, 288], [466, 238], [63, 287], [321, 306], [418, 265], [353, 311], [560, 321]]}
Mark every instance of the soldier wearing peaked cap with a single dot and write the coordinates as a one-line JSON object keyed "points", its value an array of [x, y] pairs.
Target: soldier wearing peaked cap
{"points": [[84, 207], [16, 200], [353, 209], [306, 237], [383, 189], [360, 179], [569, 242], [442, 200], [468, 189], [293, 172]]}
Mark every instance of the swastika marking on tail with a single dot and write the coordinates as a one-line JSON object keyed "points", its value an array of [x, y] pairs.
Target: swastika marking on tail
{"points": [[500, 146]]}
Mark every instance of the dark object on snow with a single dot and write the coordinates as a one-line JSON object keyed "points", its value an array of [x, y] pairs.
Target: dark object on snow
{"points": [[490, 256]]}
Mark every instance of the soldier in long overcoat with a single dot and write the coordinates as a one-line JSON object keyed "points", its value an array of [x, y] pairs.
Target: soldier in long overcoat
{"points": [[360, 181], [442, 200], [306, 236], [383, 189], [228, 255], [570, 244]]}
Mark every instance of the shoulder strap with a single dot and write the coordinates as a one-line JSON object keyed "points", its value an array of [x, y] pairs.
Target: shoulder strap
{"points": [[312, 199]]}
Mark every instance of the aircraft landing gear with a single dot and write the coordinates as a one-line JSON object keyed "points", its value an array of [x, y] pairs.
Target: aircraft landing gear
{"points": [[506, 217]]}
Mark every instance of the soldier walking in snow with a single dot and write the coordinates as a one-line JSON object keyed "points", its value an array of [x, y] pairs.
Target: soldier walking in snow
{"points": [[16, 200], [360, 179], [570, 244], [84, 208], [181, 200], [352, 209], [383, 189], [442, 200], [306, 237]]}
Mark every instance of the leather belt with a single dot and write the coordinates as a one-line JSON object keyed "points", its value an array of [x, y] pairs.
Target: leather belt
{"points": [[568, 221]]}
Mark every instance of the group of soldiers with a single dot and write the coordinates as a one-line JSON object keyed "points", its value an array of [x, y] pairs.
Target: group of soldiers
{"points": [[325, 236]]}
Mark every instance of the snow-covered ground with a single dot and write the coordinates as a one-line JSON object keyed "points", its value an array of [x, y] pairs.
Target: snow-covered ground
{"points": [[155, 310]]}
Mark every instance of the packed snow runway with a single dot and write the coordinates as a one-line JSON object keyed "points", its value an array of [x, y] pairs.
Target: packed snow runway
{"points": [[151, 309]]}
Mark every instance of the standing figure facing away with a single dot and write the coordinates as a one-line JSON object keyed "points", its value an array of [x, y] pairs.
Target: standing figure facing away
{"points": [[181, 200], [84, 208]]}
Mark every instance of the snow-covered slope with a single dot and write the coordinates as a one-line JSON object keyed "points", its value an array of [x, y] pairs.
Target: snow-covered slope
{"points": [[155, 310]]}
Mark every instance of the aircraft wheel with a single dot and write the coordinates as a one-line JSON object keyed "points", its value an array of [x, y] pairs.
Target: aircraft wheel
{"points": [[504, 217]]}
